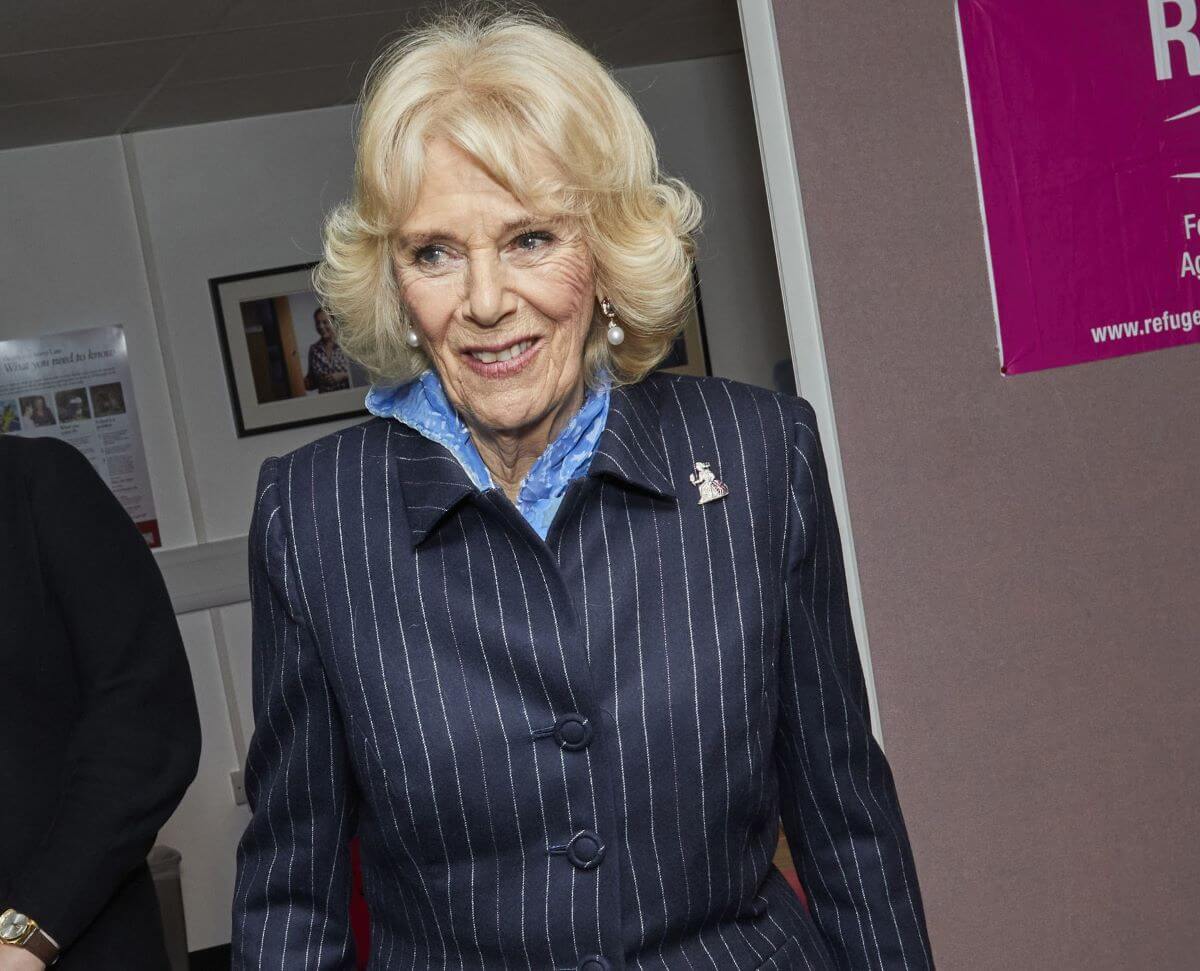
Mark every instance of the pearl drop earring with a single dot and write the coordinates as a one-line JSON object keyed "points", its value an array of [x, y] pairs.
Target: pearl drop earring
{"points": [[616, 333], [412, 339]]}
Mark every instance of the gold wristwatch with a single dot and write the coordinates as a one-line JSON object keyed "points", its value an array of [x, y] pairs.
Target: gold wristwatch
{"points": [[17, 930]]}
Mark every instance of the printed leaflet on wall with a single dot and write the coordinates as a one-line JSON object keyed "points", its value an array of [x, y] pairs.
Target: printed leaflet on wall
{"points": [[75, 386]]}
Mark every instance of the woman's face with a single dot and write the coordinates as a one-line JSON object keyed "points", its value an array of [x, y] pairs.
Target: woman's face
{"points": [[501, 299], [324, 327]]}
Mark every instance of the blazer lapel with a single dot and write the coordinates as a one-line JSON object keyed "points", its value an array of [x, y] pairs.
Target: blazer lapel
{"points": [[431, 480], [630, 449]]}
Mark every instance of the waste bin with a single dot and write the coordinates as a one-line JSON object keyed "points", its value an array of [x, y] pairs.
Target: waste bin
{"points": [[164, 867]]}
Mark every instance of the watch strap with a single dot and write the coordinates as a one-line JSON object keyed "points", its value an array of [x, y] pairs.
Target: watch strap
{"points": [[41, 947]]}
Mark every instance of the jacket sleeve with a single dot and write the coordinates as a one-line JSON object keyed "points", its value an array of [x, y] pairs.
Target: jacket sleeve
{"points": [[838, 802], [292, 893], [135, 746]]}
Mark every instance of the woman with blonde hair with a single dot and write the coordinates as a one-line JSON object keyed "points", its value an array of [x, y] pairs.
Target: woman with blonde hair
{"points": [[558, 636]]}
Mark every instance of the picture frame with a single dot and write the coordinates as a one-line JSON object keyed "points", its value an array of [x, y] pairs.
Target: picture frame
{"points": [[689, 352], [282, 370]]}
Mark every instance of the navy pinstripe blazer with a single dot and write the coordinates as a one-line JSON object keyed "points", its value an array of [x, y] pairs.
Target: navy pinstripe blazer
{"points": [[569, 754]]}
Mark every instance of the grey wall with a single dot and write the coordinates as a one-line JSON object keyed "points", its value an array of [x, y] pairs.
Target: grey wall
{"points": [[1027, 545]]}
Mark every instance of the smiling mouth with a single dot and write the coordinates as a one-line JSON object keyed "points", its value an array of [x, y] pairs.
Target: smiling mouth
{"points": [[507, 354], [503, 361]]}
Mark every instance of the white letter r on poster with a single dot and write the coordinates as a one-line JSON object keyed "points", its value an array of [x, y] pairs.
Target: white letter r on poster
{"points": [[1180, 32]]}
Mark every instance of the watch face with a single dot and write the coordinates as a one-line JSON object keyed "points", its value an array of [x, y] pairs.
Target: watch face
{"points": [[13, 925]]}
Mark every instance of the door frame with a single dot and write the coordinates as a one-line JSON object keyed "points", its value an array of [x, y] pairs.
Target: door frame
{"points": [[794, 263]]}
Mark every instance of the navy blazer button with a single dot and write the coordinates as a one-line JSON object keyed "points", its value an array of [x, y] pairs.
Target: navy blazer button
{"points": [[595, 962], [585, 850], [572, 732]]}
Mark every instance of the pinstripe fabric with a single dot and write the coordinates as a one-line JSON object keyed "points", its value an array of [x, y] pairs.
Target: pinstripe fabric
{"points": [[415, 643]]}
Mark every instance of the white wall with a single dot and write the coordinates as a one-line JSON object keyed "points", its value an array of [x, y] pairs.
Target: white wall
{"points": [[129, 230], [701, 115], [70, 258], [219, 199]]}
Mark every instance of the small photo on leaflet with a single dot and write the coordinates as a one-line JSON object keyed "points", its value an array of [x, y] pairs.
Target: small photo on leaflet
{"points": [[10, 417], [72, 405], [36, 412], [107, 399]]}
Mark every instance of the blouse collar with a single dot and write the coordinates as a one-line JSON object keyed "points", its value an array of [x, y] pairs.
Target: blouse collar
{"points": [[422, 405]]}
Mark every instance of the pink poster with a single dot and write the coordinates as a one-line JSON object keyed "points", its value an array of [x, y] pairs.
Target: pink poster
{"points": [[1086, 124]]}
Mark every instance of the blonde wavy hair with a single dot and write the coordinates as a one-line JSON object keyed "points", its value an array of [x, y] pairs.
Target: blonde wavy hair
{"points": [[508, 86]]}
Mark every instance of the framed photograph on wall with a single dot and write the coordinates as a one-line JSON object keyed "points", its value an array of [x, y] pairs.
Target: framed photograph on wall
{"points": [[689, 352], [282, 361]]}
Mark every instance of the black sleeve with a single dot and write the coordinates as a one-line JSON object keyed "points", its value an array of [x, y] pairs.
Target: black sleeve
{"points": [[136, 745]]}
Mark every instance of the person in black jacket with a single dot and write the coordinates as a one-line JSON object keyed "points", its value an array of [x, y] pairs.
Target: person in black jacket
{"points": [[99, 733]]}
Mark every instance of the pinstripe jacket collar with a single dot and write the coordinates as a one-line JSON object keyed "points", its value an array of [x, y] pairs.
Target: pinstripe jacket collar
{"points": [[629, 452]]}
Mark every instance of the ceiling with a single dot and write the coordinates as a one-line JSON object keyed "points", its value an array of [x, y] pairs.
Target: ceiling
{"points": [[74, 69]]}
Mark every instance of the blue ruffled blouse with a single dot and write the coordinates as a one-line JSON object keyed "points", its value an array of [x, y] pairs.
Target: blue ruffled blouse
{"points": [[423, 406]]}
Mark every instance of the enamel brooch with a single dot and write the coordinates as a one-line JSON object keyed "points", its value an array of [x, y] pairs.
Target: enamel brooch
{"points": [[704, 479]]}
